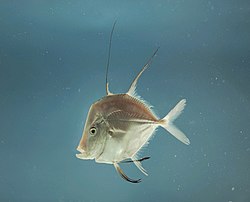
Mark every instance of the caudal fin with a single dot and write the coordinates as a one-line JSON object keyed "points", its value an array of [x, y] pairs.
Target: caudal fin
{"points": [[167, 122]]}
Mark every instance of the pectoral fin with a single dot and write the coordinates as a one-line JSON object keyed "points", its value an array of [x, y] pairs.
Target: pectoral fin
{"points": [[123, 175]]}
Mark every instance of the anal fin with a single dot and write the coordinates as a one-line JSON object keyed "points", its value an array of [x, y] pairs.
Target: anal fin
{"points": [[139, 165]]}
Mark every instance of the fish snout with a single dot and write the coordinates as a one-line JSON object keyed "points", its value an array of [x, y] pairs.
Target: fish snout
{"points": [[83, 154], [81, 149]]}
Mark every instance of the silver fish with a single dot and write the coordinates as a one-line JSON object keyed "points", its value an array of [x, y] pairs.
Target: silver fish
{"points": [[119, 125]]}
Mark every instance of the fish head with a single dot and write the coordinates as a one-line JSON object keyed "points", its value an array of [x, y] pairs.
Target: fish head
{"points": [[94, 135]]}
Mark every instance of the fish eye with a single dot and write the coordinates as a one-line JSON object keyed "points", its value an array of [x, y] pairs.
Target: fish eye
{"points": [[93, 130]]}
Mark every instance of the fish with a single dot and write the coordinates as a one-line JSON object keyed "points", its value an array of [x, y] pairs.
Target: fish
{"points": [[118, 126]]}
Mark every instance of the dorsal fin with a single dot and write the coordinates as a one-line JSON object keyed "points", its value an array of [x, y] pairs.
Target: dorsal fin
{"points": [[132, 88], [107, 89], [109, 54]]}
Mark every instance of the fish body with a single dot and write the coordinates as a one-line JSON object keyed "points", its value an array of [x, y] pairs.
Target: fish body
{"points": [[119, 125], [127, 125]]}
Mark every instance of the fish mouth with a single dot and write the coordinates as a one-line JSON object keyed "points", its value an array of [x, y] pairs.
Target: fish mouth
{"points": [[80, 149], [90, 153], [86, 155], [83, 154]]}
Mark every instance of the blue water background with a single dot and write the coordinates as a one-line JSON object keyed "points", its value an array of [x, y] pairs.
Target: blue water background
{"points": [[52, 68]]}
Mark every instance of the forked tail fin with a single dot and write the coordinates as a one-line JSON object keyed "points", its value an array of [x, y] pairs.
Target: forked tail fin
{"points": [[167, 122]]}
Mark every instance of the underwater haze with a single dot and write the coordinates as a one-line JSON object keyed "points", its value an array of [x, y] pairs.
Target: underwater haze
{"points": [[53, 57]]}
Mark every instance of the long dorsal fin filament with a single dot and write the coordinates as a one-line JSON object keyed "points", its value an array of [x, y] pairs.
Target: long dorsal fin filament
{"points": [[132, 87], [109, 55]]}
